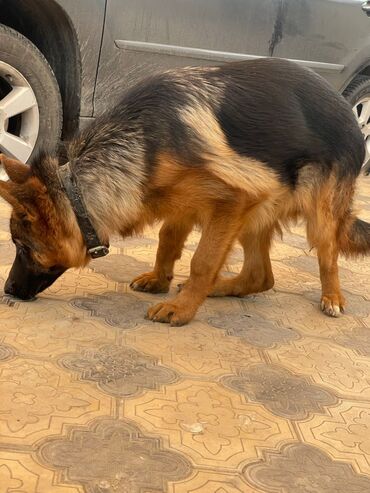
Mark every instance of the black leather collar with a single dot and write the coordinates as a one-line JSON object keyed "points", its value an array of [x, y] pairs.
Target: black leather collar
{"points": [[69, 184]]}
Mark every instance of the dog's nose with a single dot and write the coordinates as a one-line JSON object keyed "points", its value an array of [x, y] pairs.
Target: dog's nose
{"points": [[11, 289]]}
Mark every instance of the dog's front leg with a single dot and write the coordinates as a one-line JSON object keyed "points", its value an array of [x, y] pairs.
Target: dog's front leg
{"points": [[217, 238], [172, 237]]}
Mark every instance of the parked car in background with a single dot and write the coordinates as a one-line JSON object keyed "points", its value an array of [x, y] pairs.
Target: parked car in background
{"points": [[62, 62]]}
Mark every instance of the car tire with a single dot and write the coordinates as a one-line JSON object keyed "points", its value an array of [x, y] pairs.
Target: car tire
{"points": [[26, 79], [358, 95]]}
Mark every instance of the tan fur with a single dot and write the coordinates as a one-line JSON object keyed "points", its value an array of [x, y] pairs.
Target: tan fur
{"points": [[235, 170]]}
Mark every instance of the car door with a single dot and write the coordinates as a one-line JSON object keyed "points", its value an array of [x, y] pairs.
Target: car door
{"points": [[142, 36], [331, 36]]}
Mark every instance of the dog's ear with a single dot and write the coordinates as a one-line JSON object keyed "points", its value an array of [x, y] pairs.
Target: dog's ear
{"points": [[20, 197], [7, 192], [17, 171]]}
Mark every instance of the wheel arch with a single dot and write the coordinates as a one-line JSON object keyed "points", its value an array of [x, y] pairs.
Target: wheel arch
{"points": [[365, 71], [48, 27]]}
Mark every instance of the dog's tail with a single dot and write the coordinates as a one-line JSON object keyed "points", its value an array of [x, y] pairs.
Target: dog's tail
{"points": [[355, 239]]}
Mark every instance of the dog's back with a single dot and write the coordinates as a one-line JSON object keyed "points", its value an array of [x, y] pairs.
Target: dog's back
{"points": [[285, 116], [268, 110]]}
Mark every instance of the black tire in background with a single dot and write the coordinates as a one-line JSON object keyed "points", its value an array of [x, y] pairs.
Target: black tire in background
{"points": [[357, 91], [18, 52]]}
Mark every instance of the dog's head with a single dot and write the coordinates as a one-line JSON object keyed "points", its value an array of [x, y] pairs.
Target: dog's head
{"points": [[43, 229]]}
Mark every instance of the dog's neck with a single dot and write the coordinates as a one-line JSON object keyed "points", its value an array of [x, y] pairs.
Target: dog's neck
{"points": [[95, 247], [113, 198]]}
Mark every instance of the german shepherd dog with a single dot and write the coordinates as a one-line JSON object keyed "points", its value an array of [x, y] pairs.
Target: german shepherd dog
{"points": [[240, 150]]}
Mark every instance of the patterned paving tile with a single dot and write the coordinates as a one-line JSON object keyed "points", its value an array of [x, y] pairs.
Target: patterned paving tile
{"points": [[125, 312], [118, 371], [299, 311], [113, 455], [213, 482], [328, 364], [49, 330], [300, 468], [6, 352], [256, 395], [198, 349], [281, 392], [254, 329], [344, 432], [213, 426], [37, 400], [77, 283], [357, 339], [120, 268], [20, 473]]}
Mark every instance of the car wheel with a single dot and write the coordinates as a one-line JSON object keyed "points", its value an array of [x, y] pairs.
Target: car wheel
{"points": [[30, 102], [358, 95]]}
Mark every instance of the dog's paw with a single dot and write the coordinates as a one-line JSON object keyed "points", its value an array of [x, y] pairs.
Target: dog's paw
{"points": [[150, 283], [170, 313], [332, 305]]}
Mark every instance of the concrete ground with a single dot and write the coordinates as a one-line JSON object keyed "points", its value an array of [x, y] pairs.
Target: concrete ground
{"points": [[264, 394]]}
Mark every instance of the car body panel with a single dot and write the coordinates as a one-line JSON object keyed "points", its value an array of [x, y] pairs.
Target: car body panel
{"points": [[87, 16], [331, 31], [143, 36]]}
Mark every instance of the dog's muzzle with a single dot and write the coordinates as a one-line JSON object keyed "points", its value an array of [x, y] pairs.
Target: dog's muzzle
{"points": [[26, 280]]}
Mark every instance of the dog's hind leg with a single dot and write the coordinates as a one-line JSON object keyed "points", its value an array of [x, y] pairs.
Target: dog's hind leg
{"points": [[172, 237], [256, 275], [323, 233]]}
